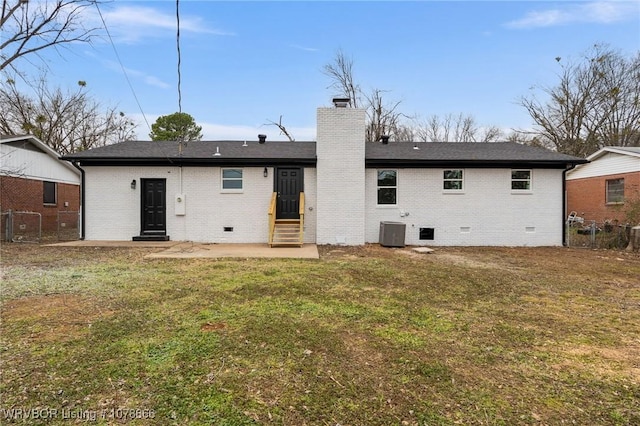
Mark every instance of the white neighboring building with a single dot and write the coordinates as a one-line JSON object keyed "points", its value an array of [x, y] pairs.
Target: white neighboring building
{"points": [[338, 189]]}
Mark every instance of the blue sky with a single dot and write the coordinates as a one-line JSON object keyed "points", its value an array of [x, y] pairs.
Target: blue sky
{"points": [[244, 63]]}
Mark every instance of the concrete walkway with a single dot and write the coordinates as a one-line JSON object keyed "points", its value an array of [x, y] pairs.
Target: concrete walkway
{"points": [[188, 249]]}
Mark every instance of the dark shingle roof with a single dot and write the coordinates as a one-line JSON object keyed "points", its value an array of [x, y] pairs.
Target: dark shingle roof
{"points": [[396, 154], [199, 153], [407, 154]]}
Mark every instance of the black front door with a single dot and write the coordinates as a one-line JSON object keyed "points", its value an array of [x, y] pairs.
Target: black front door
{"points": [[154, 206], [289, 185]]}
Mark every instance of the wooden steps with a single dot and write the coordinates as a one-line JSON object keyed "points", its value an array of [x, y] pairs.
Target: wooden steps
{"points": [[286, 232]]}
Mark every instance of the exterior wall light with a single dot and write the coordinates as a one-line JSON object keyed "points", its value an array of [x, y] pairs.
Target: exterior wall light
{"points": [[133, 184], [265, 172]]}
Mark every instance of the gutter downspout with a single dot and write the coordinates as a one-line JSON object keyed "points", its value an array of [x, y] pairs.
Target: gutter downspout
{"points": [[82, 216], [564, 203]]}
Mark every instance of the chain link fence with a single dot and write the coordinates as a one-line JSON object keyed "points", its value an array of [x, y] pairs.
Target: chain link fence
{"points": [[597, 235], [26, 227], [68, 226], [22, 227]]}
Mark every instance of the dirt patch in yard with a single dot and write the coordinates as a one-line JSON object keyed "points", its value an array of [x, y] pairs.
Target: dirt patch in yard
{"points": [[57, 317], [454, 259], [620, 360], [560, 258], [12, 254]]}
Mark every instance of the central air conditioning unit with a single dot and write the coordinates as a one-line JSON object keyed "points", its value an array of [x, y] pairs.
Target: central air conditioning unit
{"points": [[392, 234]]}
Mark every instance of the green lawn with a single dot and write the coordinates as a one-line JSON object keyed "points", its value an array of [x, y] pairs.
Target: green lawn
{"points": [[363, 336]]}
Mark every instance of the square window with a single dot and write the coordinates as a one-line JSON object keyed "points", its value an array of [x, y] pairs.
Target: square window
{"points": [[521, 180], [615, 191], [49, 192], [452, 180], [387, 187], [232, 180]]}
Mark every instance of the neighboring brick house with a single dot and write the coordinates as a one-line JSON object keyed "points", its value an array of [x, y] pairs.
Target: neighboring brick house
{"points": [[34, 179], [337, 190], [604, 189]]}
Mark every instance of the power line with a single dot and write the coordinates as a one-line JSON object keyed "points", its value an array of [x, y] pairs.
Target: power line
{"points": [[179, 59], [124, 71]]}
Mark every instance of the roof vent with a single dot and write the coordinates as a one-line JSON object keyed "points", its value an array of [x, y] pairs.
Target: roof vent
{"points": [[384, 139], [340, 102], [217, 153], [262, 138]]}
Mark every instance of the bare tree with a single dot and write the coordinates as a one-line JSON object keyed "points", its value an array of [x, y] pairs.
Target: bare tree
{"points": [[615, 118], [29, 27], [383, 118], [66, 121], [282, 128], [456, 128], [595, 104], [405, 132], [491, 134], [340, 72]]}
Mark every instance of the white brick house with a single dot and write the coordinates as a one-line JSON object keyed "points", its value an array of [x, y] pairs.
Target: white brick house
{"points": [[338, 189]]}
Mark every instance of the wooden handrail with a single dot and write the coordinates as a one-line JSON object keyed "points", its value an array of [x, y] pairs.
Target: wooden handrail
{"points": [[301, 213], [272, 216], [301, 209]]}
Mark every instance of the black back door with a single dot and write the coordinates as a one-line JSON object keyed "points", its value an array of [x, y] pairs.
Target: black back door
{"points": [[154, 206], [289, 185]]}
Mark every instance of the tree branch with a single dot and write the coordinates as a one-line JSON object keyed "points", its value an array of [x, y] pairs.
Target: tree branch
{"points": [[283, 130], [27, 32]]}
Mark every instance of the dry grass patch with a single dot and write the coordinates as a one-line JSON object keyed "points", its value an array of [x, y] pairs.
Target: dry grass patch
{"points": [[55, 318], [367, 335]]}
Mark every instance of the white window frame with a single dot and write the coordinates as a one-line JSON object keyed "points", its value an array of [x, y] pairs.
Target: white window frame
{"points": [[445, 180], [530, 180], [224, 179], [607, 195], [394, 187]]}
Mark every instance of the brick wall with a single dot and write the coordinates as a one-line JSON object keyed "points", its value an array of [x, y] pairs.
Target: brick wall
{"points": [[587, 196], [20, 194]]}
